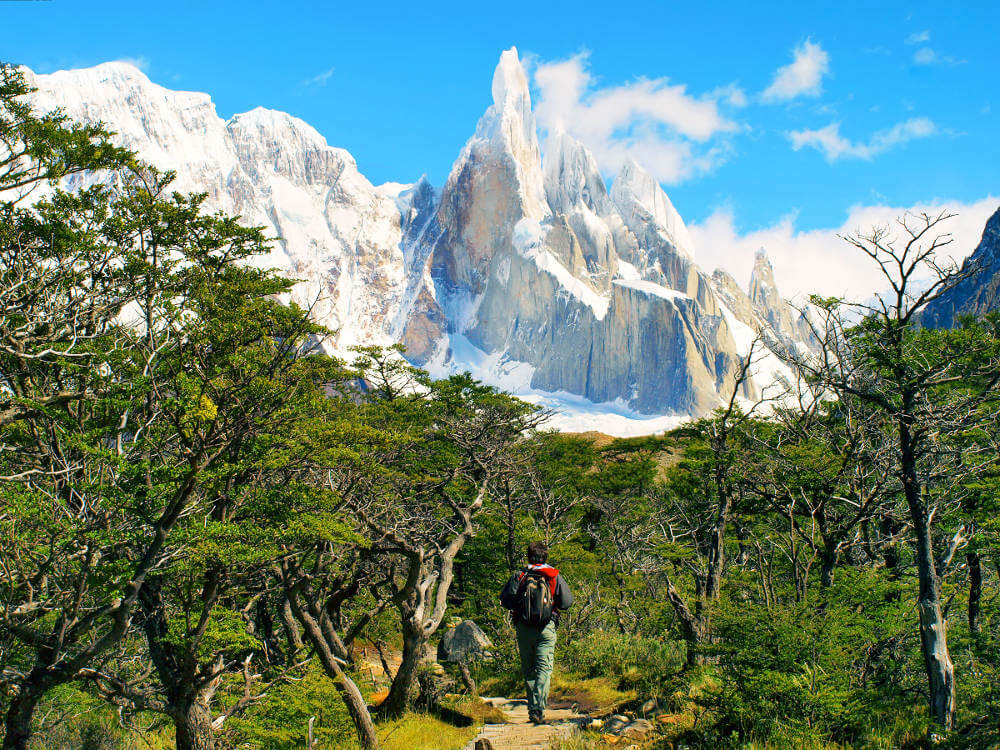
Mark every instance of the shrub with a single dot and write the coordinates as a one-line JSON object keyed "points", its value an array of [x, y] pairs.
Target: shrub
{"points": [[631, 662]]}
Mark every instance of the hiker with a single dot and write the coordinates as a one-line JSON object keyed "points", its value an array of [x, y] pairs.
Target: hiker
{"points": [[535, 596]]}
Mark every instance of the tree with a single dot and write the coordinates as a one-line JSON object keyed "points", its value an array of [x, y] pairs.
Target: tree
{"points": [[62, 291], [545, 483], [825, 475], [927, 386], [623, 522], [328, 565], [418, 498], [140, 359], [39, 150], [189, 383], [317, 582], [237, 382], [702, 492]]}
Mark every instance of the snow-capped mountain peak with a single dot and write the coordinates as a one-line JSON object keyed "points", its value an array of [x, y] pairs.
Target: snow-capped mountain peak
{"points": [[572, 177], [510, 88], [647, 209], [542, 282]]}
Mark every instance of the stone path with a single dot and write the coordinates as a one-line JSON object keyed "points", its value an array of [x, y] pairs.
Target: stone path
{"points": [[520, 733]]}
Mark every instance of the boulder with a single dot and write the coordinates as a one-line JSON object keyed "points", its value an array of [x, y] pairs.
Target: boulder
{"points": [[615, 724], [637, 729], [464, 643], [624, 726]]}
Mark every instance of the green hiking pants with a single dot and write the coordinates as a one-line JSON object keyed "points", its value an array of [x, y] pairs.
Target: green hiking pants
{"points": [[537, 647]]}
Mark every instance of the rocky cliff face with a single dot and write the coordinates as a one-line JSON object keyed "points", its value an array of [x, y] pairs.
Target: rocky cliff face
{"points": [[979, 292], [786, 322], [535, 275], [340, 234]]}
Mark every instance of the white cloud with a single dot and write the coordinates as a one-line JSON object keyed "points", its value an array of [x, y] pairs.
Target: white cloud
{"points": [[140, 62], [320, 79], [928, 56], [801, 77], [658, 124], [835, 146], [732, 94], [818, 261]]}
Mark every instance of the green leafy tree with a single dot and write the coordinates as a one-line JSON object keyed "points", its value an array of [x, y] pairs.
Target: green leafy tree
{"points": [[235, 390], [418, 500], [926, 385]]}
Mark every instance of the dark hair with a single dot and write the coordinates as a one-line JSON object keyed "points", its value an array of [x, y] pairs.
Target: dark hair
{"points": [[537, 553]]}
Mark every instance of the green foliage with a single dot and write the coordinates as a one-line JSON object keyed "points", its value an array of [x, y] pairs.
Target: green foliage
{"points": [[281, 723], [72, 719], [827, 668], [629, 662]]}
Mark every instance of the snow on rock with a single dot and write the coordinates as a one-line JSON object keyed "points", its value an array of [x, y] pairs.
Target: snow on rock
{"points": [[648, 287], [569, 412], [509, 125], [336, 231], [529, 241], [540, 281], [647, 209]]}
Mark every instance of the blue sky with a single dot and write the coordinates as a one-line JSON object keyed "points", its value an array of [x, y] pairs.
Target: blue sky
{"points": [[761, 119]]}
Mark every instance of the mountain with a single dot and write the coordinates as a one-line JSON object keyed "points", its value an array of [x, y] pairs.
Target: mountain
{"points": [[979, 292], [529, 272], [348, 240]]}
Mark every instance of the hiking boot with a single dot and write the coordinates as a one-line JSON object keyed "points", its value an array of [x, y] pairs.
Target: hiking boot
{"points": [[536, 718]]}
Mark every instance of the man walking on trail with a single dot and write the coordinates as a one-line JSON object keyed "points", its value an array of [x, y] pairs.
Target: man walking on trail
{"points": [[535, 596]]}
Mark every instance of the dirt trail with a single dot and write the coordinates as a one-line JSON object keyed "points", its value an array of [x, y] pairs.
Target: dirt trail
{"points": [[520, 733]]}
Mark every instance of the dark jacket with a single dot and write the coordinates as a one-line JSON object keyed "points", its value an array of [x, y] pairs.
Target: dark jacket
{"points": [[562, 597]]}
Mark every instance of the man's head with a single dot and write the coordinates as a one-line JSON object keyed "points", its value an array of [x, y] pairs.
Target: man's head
{"points": [[538, 553]]}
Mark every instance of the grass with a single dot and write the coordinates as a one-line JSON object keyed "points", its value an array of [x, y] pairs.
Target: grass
{"points": [[586, 741], [480, 713], [418, 732]]}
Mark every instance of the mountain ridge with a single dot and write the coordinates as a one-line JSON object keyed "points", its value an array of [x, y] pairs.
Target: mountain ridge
{"points": [[978, 292], [572, 292]]}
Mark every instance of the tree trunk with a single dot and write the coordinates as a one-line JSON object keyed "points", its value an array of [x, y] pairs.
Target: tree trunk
{"points": [[975, 589], [386, 667], [933, 626], [193, 725], [510, 522], [466, 674], [829, 562], [511, 553], [357, 708], [717, 543], [291, 629], [353, 700], [17, 723], [890, 554], [402, 693], [937, 660], [621, 608], [691, 625]]}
